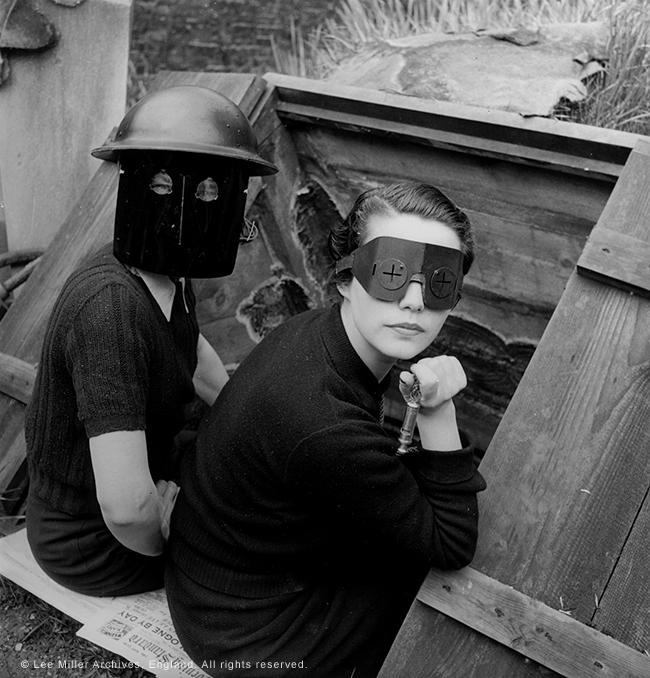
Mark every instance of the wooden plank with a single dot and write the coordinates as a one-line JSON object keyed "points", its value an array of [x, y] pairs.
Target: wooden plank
{"points": [[452, 141], [89, 225], [59, 103], [617, 259], [17, 378], [624, 608], [568, 147], [548, 636], [281, 190], [541, 197], [568, 471]]}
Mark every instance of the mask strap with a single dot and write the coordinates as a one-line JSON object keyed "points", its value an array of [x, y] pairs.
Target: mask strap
{"points": [[344, 264]]}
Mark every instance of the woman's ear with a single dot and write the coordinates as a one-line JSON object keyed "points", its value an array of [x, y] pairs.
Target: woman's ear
{"points": [[344, 288]]}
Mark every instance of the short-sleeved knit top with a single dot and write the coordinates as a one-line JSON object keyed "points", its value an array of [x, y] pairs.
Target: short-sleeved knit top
{"points": [[110, 361]]}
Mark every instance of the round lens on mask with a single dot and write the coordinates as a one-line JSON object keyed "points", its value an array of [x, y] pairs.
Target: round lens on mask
{"points": [[207, 190], [391, 273], [442, 282], [161, 183]]}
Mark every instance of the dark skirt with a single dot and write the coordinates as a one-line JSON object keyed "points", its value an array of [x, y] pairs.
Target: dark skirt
{"points": [[329, 630], [80, 553]]}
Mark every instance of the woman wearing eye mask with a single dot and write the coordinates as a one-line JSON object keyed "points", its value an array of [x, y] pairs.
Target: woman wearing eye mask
{"points": [[300, 535], [122, 354]]}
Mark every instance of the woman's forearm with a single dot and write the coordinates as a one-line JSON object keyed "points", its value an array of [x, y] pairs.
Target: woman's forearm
{"points": [[127, 495], [438, 428], [138, 528]]}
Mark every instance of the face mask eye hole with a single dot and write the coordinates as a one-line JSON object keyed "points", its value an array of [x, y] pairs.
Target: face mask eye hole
{"points": [[207, 190], [161, 183], [391, 273], [443, 282]]}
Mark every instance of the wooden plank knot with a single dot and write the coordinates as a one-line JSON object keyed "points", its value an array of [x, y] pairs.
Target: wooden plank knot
{"points": [[549, 637]]}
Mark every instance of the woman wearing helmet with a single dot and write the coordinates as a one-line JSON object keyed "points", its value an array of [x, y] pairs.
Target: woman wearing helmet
{"points": [[123, 355], [302, 533]]}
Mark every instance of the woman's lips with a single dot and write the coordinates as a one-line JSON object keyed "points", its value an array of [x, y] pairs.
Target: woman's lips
{"points": [[406, 328]]}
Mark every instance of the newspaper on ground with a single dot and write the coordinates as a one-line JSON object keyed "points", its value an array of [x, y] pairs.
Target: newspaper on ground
{"points": [[141, 631], [138, 628]]}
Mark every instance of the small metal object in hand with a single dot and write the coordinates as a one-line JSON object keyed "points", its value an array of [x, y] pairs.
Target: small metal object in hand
{"points": [[410, 417]]}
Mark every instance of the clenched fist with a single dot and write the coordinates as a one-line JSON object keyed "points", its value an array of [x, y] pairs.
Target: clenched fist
{"points": [[440, 379]]}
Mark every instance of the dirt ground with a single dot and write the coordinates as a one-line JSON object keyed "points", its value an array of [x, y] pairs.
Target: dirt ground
{"points": [[38, 640]]}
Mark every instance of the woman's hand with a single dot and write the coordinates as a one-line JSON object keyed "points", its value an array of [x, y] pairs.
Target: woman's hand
{"points": [[440, 379], [167, 492]]}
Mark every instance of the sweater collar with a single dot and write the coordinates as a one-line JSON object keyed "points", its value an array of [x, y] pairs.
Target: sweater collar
{"points": [[345, 359]]}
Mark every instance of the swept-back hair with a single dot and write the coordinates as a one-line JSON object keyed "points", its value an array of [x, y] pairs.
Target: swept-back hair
{"points": [[410, 197]]}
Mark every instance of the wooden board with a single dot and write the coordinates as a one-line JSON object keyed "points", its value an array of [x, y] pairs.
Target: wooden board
{"points": [[617, 259], [57, 104], [550, 637], [564, 519], [568, 147], [17, 378], [89, 225]]}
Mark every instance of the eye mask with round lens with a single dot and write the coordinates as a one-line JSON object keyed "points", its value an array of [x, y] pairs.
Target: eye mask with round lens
{"points": [[385, 266]]}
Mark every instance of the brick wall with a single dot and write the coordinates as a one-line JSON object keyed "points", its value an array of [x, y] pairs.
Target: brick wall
{"points": [[217, 35]]}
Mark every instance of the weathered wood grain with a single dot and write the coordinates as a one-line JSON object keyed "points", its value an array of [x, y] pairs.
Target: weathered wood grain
{"points": [[59, 103], [16, 378], [534, 630], [89, 225], [281, 191], [623, 611], [569, 147], [617, 259], [568, 472], [547, 201]]}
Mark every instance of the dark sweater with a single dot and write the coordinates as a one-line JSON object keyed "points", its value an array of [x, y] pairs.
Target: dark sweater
{"points": [[294, 478], [110, 362]]}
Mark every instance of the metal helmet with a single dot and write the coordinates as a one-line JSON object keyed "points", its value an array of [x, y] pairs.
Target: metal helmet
{"points": [[190, 119], [185, 155]]}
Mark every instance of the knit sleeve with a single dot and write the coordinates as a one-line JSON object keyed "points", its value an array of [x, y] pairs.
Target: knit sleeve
{"points": [[107, 356], [427, 509]]}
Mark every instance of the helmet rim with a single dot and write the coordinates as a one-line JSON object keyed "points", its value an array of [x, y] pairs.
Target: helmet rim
{"points": [[189, 119], [255, 163]]}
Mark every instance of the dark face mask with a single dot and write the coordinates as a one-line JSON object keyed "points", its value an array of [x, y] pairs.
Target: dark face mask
{"points": [[179, 214], [385, 266]]}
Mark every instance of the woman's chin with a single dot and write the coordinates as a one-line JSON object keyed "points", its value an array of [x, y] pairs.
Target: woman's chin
{"points": [[405, 351]]}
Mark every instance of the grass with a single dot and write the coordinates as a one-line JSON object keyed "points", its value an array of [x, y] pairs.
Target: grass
{"points": [[31, 631], [619, 98]]}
